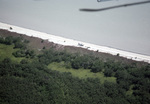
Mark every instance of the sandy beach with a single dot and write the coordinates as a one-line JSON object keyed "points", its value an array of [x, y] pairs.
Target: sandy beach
{"points": [[75, 43]]}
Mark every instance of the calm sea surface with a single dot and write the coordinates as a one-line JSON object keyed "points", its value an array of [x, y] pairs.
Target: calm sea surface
{"points": [[126, 28]]}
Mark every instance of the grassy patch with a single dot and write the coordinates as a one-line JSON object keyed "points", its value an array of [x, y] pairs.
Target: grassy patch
{"points": [[6, 52], [81, 73], [130, 91]]}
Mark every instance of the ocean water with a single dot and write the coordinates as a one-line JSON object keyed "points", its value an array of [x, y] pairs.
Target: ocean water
{"points": [[126, 28]]}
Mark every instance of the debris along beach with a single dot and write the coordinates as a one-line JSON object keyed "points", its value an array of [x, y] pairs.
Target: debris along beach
{"points": [[75, 43]]}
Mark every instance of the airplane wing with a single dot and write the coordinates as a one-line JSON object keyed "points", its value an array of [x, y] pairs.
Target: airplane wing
{"points": [[113, 7]]}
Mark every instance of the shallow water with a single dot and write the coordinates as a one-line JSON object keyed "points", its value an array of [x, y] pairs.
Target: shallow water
{"points": [[126, 28]]}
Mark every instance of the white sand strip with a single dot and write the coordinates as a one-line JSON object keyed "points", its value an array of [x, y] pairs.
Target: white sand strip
{"points": [[70, 42]]}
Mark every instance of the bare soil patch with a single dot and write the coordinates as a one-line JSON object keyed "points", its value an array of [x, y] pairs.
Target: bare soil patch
{"points": [[39, 44]]}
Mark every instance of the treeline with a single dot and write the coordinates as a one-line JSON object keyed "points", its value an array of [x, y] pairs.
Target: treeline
{"points": [[31, 82], [76, 61], [19, 43], [131, 78], [24, 53]]}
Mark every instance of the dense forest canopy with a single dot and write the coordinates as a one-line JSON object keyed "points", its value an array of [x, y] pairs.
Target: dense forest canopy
{"points": [[31, 81]]}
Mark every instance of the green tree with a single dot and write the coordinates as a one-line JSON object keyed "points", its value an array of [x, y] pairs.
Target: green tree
{"points": [[9, 40], [97, 66]]}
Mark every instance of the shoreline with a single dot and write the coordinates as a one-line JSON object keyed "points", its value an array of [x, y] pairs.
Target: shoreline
{"points": [[75, 43]]}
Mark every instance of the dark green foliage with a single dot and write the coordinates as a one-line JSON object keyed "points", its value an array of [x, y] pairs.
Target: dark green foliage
{"points": [[47, 57], [30, 54], [26, 41], [20, 45], [77, 63], [9, 40], [84, 61], [24, 53], [31, 82], [19, 53], [97, 66], [127, 76], [108, 72], [20, 92], [17, 41], [24, 61], [2, 40]]}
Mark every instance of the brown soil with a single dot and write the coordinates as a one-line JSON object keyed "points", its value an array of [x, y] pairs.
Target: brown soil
{"points": [[38, 44]]}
